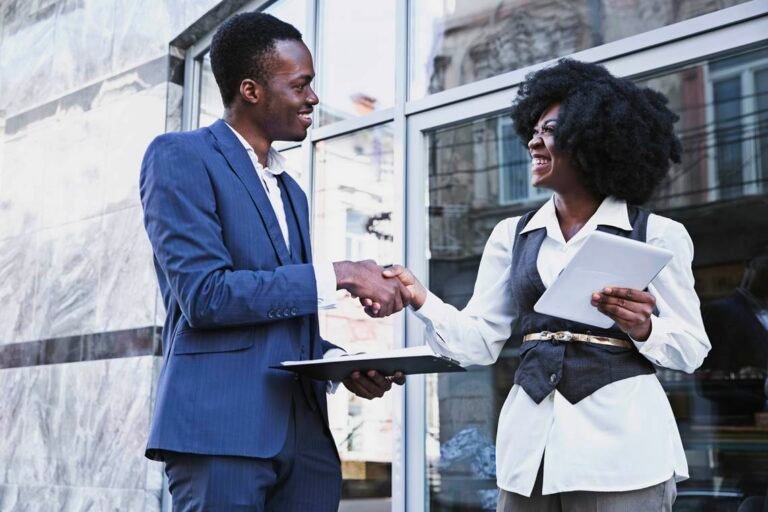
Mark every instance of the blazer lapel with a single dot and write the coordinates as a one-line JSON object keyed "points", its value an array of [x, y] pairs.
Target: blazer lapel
{"points": [[238, 160], [293, 192]]}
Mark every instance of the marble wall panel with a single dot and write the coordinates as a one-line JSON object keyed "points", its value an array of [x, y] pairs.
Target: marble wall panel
{"points": [[77, 424], [82, 43], [134, 121], [69, 260], [21, 181], [193, 11], [14, 498], [127, 283], [142, 32], [74, 159], [18, 276], [27, 56]]}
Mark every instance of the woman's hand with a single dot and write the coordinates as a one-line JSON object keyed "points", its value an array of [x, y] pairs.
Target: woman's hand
{"points": [[630, 309], [416, 289]]}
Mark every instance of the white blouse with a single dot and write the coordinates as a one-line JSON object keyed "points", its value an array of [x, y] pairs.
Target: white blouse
{"points": [[623, 436]]}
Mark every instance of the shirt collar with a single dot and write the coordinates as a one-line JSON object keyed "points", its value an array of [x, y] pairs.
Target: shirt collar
{"points": [[611, 212], [275, 161]]}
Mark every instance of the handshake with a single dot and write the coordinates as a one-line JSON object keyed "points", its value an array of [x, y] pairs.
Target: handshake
{"points": [[382, 290]]}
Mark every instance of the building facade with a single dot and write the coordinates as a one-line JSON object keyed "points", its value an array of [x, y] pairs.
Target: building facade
{"points": [[412, 158]]}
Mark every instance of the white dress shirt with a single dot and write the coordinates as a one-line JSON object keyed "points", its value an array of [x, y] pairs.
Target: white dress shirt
{"points": [[325, 277], [623, 436]]}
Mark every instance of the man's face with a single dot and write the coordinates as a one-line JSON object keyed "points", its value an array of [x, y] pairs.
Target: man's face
{"points": [[288, 99]]}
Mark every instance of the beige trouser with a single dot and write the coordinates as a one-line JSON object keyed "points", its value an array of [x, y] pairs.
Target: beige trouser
{"points": [[657, 498]]}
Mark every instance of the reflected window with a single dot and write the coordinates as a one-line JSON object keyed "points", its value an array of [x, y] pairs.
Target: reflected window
{"points": [[457, 42], [354, 196], [211, 107], [356, 58], [478, 174], [295, 167], [723, 109]]}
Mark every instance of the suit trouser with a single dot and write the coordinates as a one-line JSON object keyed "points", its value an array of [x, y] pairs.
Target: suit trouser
{"points": [[656, 498], [304, 475]]}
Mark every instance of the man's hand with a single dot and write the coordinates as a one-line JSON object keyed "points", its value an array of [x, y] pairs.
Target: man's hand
{"points": [[407, 279], [372, 384], [630, 309], [365, 279]]}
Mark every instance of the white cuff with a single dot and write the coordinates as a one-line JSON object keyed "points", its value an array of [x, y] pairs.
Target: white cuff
{"points": [[325, 279], [657, 338], [333, 385], [429, 312]]}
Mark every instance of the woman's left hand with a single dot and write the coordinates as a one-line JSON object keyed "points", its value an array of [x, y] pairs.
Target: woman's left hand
{"points": [[630, 309]]}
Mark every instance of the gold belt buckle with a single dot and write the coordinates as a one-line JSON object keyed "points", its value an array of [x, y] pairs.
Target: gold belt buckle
{"points": [[564, 336]]}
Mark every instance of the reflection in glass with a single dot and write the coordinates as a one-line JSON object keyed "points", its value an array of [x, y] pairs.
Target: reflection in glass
{"points": [[456, 42], [718, 193], [723, 109], [295, 167], [356, 58], [211, 108], [479, 173], [353, 202]]}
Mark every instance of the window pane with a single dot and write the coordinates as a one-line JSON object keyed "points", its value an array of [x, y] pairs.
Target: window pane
{"points": [[456, 42], [354, 199], [723, 138], [295, 167], [722, 409], [478, 174], [761, 96], [728, 136], [356, 58], [211, 108]]}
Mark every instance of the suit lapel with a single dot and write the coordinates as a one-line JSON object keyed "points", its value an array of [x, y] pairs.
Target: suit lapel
{"points": [[293, 195], [241, 164]]}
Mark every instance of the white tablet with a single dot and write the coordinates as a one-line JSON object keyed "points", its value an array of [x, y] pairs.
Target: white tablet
{"points": [[604, 260]]}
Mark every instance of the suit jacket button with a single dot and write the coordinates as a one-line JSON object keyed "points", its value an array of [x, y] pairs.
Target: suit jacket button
{"points": [[271, 314], [286, 312], [294, 311]]}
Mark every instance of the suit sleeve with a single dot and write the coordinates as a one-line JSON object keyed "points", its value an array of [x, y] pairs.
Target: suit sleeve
{"points": [[185, 231]]}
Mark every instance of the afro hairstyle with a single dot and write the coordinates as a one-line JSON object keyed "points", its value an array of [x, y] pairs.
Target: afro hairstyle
{"points": [[619, 136], [244, 47]]}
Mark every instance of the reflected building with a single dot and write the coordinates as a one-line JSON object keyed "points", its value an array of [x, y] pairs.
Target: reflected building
{"points": [[413, 158]]}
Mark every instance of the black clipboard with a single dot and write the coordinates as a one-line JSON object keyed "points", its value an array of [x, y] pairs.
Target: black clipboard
{"points": [[413, 361]]}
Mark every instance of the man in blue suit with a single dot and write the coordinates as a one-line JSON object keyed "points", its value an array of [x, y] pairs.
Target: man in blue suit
{"points": [[232, 253]]}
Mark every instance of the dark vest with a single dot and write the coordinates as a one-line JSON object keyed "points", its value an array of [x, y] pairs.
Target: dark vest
{"points": [[575, 369]]}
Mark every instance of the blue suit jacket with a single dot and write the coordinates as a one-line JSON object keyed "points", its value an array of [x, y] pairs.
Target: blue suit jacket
{"points": [[235, 303]]}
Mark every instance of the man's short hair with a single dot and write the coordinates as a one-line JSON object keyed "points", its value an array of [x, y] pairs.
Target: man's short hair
{"points": [[244, 47]]}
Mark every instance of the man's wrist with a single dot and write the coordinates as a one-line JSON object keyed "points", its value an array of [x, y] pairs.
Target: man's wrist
{"points": [[343, 271]]}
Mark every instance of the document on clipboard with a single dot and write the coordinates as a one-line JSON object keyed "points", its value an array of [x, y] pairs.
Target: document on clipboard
{"points": [[603, 261], [410, 361]]}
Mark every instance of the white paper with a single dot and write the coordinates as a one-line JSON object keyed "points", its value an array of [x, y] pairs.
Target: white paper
{"points": [[422, 350]]}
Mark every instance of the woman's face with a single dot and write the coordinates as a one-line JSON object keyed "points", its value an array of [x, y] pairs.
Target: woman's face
{"points": [[550, 168]]}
